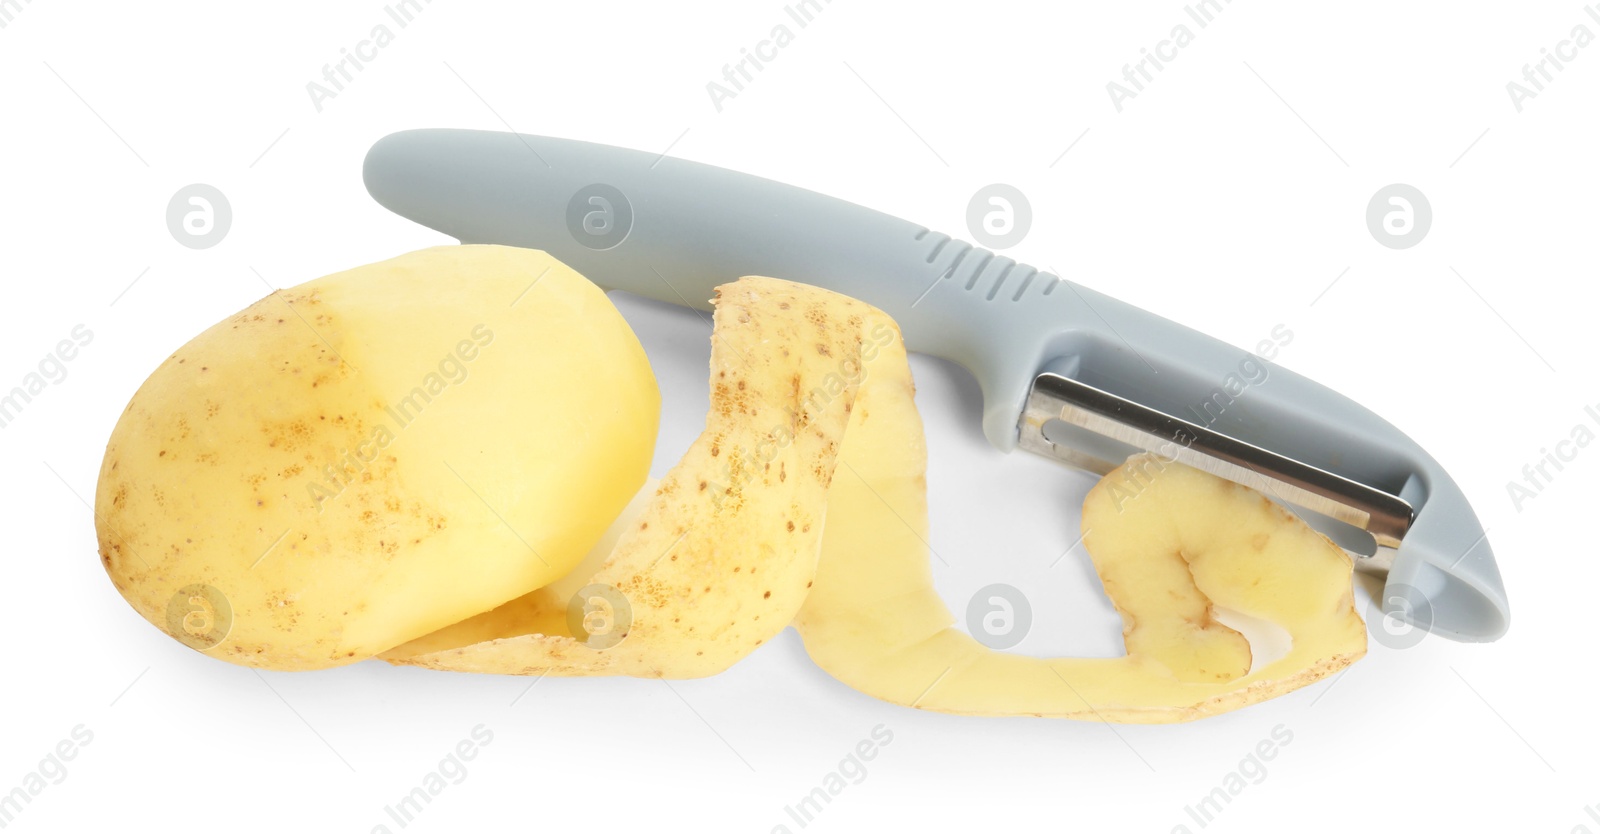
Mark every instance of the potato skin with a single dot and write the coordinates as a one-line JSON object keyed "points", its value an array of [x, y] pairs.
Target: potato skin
{"points": [[360, 460]]}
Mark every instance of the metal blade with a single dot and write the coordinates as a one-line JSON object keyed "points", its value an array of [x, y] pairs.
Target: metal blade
{"points": [[1083, 426]]}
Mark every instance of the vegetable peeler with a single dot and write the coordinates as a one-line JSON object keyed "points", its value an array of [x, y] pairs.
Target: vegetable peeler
{"points": [[1066, 372]]}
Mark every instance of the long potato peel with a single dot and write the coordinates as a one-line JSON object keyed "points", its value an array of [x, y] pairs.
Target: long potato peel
{"points": [[874, 621], [813, 420]]}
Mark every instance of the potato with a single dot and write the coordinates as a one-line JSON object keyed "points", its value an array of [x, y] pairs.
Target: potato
{"points": [[363, 459]]}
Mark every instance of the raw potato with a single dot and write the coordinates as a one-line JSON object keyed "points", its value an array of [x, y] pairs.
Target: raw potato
{"points": [[368, 457]]}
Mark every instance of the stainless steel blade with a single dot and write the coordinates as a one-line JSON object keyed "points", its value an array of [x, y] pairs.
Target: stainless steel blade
{"points": [[1083, 426]]}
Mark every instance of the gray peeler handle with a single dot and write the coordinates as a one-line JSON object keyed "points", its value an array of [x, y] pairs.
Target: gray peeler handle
{"points": [[672, 230]]}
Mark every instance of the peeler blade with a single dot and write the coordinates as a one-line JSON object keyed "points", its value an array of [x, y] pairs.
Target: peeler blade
{"points": [[1083, 426]]}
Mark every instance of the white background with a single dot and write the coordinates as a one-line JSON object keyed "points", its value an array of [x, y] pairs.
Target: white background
{"points": [[1229, 195]]}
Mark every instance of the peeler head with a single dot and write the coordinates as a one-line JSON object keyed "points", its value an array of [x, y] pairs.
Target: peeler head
{"points": [[1346, 472], [1083, 426]]}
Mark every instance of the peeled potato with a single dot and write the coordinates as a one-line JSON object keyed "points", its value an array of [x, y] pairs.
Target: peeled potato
{"points": [[368, 457]]}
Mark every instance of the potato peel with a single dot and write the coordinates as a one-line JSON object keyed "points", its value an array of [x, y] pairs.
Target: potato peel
{"points": [[1239, 551]]}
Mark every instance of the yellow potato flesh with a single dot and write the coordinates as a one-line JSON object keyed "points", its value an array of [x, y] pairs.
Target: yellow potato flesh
{"points": [[543, 611], [373, 455]]}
